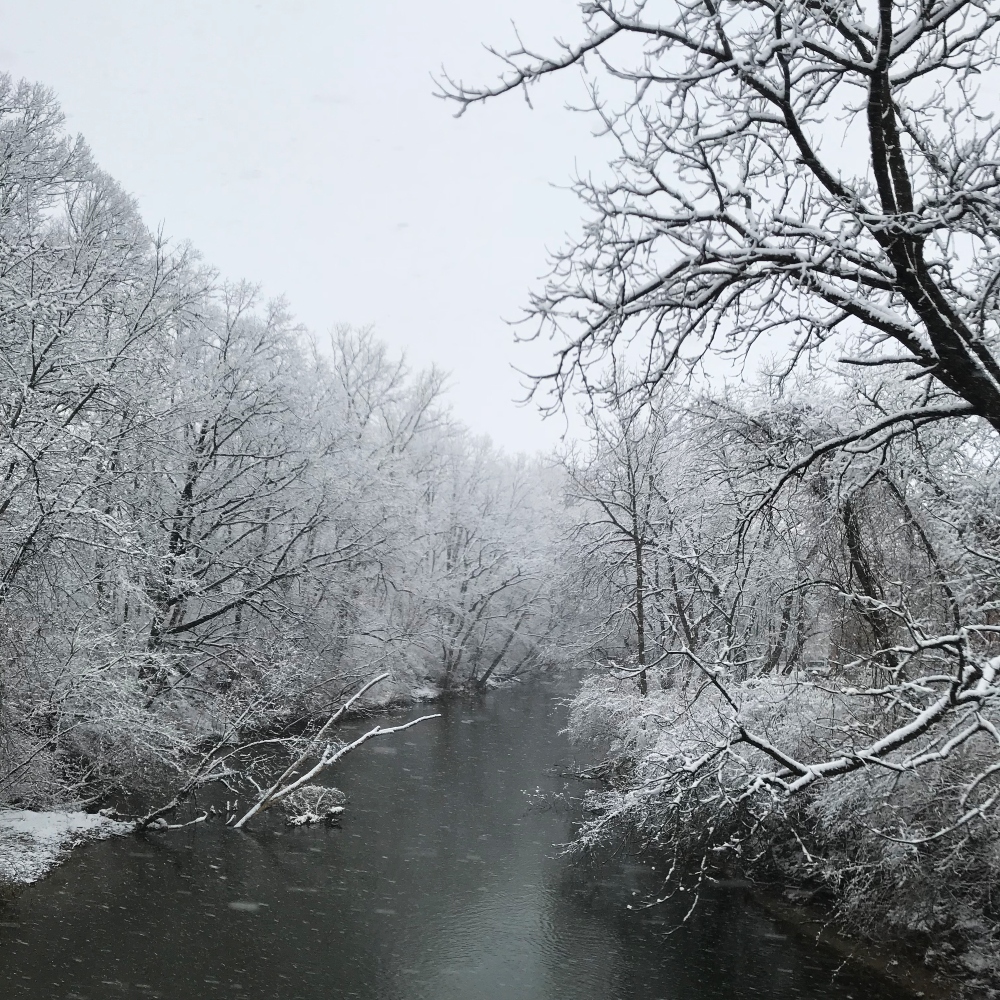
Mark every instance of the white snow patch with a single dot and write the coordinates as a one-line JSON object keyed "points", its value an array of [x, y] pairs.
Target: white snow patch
{"points": [[32, 843]]}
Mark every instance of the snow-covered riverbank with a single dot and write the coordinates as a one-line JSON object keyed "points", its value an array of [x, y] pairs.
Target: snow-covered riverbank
{"points": [[33, 843]]}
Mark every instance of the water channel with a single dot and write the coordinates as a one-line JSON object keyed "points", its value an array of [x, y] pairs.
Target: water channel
{"points": [[442, 884]]}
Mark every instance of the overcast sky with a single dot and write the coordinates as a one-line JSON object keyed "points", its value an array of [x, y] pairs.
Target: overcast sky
{"points": [[297, 143]]}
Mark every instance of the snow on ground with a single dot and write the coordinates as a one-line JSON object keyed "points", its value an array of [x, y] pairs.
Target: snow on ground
{"points": [[32, 843]]}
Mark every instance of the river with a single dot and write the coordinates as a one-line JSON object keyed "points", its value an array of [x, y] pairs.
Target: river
{"points": [[442, 883]]}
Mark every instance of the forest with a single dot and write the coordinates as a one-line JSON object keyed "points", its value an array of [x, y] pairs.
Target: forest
{"points": [[209, 514], [772, 551]]}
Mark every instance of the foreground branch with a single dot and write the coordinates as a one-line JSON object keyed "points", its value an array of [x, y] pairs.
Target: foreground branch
{"points": [[329, 756]]}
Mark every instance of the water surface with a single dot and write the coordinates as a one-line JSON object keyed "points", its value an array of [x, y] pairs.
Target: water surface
{"points": [[443, 883]]}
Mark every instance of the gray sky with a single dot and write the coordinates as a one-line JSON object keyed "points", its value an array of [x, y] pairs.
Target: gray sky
{"points": [[296, 142]]}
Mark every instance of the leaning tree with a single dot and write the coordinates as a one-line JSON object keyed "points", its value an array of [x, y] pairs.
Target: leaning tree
{"points": [[816, 180]]}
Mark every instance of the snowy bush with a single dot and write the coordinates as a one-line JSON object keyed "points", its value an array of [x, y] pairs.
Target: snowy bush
{"points": [[313, 804]]}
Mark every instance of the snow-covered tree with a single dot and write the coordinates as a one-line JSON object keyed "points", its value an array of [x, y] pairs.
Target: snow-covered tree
{"points": [[814, 184]]}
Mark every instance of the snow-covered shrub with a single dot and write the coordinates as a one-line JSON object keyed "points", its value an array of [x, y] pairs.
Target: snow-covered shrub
{"points": [[870, 842], [313, 804]]}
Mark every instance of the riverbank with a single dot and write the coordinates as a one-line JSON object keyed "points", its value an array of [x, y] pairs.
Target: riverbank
{"points": [[33, 843], [881, 897], [903, 968]]}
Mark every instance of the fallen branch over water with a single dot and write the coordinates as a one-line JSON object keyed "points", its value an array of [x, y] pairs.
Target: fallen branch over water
{"points": [[329, 756], [213, 765]]}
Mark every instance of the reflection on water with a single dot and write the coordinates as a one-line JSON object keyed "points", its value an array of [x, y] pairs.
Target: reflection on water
{"points": [[443, 883]]}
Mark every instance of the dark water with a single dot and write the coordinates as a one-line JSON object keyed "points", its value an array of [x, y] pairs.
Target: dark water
{"points": [[442, 884]]}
